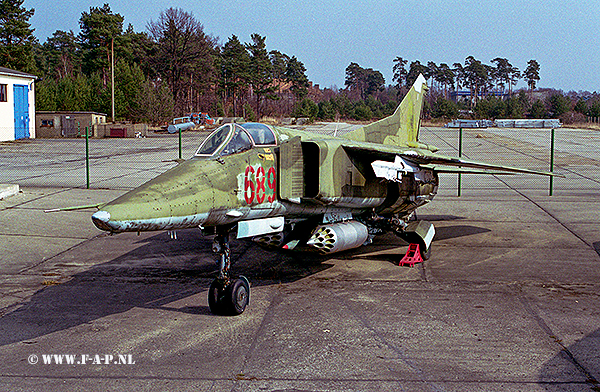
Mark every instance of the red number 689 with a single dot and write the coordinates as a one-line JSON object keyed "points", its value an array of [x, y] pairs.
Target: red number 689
{"points": [[254, 184]]}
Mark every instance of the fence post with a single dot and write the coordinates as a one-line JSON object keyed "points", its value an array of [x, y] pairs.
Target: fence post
{"points": [[460, 137], [552, 136], [180, 147], [87, 157]]}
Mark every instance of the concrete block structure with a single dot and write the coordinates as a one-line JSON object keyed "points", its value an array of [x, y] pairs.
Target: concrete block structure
{"points": [[57, 124], [17, 105]]}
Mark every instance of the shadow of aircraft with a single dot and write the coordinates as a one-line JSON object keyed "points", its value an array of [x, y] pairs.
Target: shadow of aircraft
{"points": [[379, 244], [576, 367], [438, 218], [457, 231], [161, 270], [156, 273]]}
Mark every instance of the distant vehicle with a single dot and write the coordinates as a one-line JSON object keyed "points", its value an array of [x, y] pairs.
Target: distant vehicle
{"points": [[293, 189], [202, 119]]}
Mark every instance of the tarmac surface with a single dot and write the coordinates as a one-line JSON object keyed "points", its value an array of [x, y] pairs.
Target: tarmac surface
{"points": [[510, 299]]}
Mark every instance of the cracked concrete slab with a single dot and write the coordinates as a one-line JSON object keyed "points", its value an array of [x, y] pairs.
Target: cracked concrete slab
{"points": [[508, 300]]}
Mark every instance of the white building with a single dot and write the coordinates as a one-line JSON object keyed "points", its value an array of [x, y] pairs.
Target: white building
{"points": [[17, 105]]}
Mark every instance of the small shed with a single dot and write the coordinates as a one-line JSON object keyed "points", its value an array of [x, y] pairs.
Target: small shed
{"points": [[17, 104], [66, 124]]}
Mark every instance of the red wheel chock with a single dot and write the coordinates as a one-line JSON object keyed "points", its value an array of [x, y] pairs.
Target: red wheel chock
{"points": [[413, 256]]}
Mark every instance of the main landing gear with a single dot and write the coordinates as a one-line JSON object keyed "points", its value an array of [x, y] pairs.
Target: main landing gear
{"points": [[227, 296]]}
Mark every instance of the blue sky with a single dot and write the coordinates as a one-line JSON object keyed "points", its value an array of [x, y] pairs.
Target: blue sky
{"points": [[327, 35]]}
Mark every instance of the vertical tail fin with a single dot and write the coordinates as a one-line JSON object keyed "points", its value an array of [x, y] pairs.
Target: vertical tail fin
{"points": [[402, 127]]}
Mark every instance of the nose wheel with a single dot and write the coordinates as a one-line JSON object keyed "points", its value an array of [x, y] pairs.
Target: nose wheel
{"points": [[227, 296]]}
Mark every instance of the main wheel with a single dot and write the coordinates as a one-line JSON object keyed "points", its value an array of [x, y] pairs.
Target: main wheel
{"points": [[216, 297], [238, 296]]}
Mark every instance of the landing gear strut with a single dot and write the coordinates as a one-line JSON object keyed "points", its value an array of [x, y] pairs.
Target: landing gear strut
{"points": [[227, 296]]}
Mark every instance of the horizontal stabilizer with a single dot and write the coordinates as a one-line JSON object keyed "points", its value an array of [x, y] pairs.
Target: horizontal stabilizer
{"points": [[439, 163], [489, 168], [464, 170]]}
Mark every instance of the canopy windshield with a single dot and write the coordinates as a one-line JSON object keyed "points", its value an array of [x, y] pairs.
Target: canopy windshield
{"points": [[214, 141], [240, 141], [227, 140], [262, 134]]}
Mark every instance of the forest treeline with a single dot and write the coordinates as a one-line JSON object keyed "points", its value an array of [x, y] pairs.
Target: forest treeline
{"points": [[175, 68]]}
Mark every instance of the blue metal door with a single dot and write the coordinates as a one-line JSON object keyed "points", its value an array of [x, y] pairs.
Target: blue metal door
{"points": [[21, 111]]}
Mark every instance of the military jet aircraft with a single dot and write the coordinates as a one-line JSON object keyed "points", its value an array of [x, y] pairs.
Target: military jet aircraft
{"points": [[292, 189]]}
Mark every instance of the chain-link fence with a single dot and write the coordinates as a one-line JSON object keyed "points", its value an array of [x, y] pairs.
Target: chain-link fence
{"points": [[576, 156], [114, 163], [117, 163]]}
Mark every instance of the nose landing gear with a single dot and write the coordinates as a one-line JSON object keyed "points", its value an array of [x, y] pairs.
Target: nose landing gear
{"points": [[227, 296]]}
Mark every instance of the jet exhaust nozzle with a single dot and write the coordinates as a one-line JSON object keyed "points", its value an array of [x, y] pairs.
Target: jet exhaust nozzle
{"points": [[337, 237]]}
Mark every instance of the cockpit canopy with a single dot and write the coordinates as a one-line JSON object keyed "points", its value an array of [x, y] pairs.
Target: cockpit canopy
{"points": [[233, 138], [261, 134]]}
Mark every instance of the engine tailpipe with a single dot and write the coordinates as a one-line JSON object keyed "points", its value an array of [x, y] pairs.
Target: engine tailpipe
{"points": [[337, 237]]}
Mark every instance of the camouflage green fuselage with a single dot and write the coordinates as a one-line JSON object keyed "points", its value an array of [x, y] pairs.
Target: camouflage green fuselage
{"points": [[302, 175]]}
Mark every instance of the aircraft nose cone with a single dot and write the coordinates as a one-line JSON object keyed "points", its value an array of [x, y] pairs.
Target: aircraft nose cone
{"points": [[101, 219]]}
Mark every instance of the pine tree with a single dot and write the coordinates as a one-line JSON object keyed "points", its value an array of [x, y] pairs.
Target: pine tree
{"points": [[234, 70], [532, 74], [261, 71], [16, 36]]}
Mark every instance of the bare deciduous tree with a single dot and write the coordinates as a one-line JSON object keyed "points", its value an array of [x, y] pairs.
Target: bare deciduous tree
{"points": [[185, 56]]}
